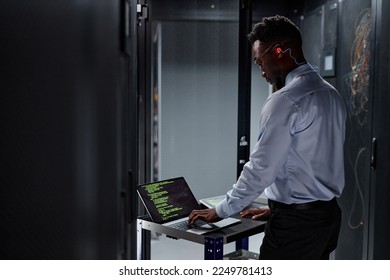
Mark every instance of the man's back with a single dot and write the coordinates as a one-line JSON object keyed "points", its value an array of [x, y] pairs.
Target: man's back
{"points": [[313, 168]]}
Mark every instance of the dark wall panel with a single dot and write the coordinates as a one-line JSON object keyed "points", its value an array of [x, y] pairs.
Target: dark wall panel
{"points": [[61, 133]]}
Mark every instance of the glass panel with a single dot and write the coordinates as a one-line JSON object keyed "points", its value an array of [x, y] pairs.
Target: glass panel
{"points": [[355, 63], [195, 83]]}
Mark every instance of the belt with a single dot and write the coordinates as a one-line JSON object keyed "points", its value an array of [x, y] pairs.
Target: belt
{"points": [[300, 206]]}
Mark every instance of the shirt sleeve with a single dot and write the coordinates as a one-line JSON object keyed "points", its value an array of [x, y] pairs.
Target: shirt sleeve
{"points": [[277, 125]]}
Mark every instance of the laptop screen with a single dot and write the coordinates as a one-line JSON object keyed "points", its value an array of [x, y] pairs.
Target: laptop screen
{"points": [[167, 200]]}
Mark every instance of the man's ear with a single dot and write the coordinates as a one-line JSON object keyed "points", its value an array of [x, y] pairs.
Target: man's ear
{"points": [[278, 50]]}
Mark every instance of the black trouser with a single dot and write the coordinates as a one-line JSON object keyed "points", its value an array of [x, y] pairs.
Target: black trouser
{"points": [[305, 232]]}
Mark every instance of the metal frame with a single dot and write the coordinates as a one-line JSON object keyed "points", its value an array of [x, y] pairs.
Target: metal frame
{"points": [[213, 242], [244, 85]]}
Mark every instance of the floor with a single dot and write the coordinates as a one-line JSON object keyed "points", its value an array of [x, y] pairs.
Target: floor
{"points": [[162, 248]]}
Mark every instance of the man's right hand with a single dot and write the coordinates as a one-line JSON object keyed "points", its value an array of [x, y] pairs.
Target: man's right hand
{"points": [[207, 215]]}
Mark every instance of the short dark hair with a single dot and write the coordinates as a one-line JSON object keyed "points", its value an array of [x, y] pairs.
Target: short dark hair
{"points": [[274, 29]]}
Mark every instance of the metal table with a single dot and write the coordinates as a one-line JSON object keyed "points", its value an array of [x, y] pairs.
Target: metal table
{"points": [[213, 242]]}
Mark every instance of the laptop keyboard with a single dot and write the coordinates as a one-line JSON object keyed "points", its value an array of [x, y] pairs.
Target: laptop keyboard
{"points": [[184, 225]]}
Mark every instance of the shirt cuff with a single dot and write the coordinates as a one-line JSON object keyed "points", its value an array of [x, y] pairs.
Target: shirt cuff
{"points": [[222, 209]]}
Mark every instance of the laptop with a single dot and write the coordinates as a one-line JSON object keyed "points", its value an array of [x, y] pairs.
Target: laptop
{"points": [[171, 201]]}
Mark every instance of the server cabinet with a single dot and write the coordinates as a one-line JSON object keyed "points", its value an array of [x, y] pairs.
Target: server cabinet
{"points": [[379, 225], [354, 68], [360, 75], [66, 122]]}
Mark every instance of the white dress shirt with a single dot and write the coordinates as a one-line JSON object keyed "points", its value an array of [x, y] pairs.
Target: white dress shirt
{"points": [[299, 154]]}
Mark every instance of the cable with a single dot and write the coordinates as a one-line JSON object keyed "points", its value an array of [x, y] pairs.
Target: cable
{"points": [[358, 190], [360, 61], [289, 51], [357, 82]]}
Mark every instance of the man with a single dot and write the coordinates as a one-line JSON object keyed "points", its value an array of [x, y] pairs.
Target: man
{"points": [[298, 159]]}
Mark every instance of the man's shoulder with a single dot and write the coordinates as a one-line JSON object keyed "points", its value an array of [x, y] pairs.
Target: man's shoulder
{"points": [[279, 101]]}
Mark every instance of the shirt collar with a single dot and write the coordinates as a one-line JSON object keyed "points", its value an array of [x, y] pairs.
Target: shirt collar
{"points": [[298, 71]]}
